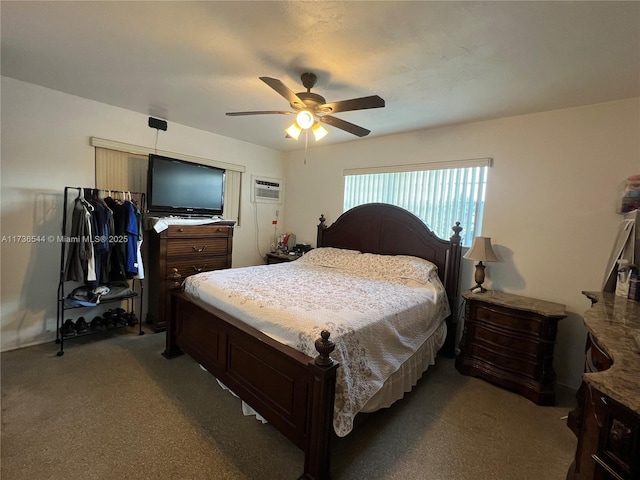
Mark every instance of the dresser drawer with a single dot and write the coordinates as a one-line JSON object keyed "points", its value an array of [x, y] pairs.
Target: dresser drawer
{"points": [[196, 247], [191, 266], [508, 318], [213, 230], [506, 342], [596, 358]]}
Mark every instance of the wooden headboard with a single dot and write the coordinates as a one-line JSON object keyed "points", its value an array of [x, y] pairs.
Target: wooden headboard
{"points": [[389, 230]]}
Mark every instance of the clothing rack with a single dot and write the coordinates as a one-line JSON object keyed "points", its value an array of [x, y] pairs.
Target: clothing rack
{"points": [[138, 199]]}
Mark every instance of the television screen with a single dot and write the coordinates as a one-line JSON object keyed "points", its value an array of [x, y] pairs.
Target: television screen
{"points": [[181, 188]]}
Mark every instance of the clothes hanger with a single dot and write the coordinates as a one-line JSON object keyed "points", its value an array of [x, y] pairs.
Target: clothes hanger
{"points": [[84, 201]]}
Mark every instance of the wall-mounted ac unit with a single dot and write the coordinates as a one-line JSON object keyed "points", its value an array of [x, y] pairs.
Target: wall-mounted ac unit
{"points": [[266, 190]]}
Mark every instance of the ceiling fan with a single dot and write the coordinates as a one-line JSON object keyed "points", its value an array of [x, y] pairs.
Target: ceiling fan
{"points": [[312, 109]]}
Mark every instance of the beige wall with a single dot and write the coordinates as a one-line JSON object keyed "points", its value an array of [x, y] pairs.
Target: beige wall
{"points": [[550, 209], [550, 205], [45, 147]]}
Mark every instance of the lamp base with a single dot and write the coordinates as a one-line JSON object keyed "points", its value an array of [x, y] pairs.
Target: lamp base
{"points": [[478, 289], [479, 278]]}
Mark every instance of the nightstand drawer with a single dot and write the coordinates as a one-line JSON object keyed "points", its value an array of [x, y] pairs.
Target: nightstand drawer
{"points": [[213, 230], [504, 361], [508, 318], [506, 342], [197, 247]]}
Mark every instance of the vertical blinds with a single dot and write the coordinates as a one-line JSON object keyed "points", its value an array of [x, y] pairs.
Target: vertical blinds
{"points": [[120, 171], [439, 197]]}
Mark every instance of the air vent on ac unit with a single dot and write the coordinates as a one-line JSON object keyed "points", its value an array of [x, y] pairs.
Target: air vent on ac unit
{"points": [[266, 190]]}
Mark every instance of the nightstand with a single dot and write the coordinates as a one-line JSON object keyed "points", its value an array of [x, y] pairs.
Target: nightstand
{"points": [[508, 340], [280, 258]]}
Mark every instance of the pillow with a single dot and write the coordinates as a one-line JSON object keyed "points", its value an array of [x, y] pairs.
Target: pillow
{"points": [[330, 257], [391, 267], [398, 267]]}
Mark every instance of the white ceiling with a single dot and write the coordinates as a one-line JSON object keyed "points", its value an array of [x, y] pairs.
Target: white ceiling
{"points": [[434, 63]]}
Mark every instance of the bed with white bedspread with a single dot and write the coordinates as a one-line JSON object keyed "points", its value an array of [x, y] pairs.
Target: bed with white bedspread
{"points": [[380, 325], [380, 310]]}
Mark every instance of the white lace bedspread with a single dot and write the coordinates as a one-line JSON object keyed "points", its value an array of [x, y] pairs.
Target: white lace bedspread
{"points": [[379, 310]]}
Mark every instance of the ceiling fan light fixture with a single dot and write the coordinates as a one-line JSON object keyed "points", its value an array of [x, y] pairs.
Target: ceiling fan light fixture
{"points": [[319, 132], [305, 119], [294, 130]]}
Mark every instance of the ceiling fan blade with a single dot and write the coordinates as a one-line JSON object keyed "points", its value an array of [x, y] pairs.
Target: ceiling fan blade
{"points": [[281, 88], [266, 112], [373, 101], [343, 125]]}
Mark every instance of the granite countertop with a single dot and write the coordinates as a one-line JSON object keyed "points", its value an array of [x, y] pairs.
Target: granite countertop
{"points": [[613, 321], [542, 307]]}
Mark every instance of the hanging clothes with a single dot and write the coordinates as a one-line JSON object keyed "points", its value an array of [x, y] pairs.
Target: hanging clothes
{"points": [[104, 220], [118, 259], [105, 240], [80, 264], [131, 230], [101, 237], [138, 214]]}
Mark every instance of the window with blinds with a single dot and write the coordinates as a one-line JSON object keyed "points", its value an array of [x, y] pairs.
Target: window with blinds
{"points": [[438, 194]]}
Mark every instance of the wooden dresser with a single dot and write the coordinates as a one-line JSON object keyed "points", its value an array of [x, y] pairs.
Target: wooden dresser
{"points": [[176, 253], [509, 340], [607, 417]]}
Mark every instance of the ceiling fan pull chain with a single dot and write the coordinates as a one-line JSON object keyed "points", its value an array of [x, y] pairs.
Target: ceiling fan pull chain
{"points": [[306, 143]]}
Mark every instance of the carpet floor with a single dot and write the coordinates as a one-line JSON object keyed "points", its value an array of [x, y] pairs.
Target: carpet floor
{"points": [[114, 408]]}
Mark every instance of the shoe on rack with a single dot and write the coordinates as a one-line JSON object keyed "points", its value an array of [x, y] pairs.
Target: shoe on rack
{"points": [[132, 319], [120, 316], [82, 326], [68, 329], [97, 323], [108, 319]]}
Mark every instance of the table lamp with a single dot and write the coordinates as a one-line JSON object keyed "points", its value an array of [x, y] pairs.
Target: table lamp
{"points": [[482, 251]]}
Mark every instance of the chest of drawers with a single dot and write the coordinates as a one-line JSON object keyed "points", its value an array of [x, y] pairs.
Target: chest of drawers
{"points": [[176, 253], [509, 341]]}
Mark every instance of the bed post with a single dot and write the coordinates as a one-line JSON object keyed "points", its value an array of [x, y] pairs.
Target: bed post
{"points": [[317, 450], [451, 284], [171, 348], [322, 226]]}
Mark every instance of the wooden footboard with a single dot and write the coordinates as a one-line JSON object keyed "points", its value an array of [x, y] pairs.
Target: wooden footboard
{"points": [[293, 391]]}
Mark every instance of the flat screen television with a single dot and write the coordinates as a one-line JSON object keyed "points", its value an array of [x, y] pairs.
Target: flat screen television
{"points": [[184, 189]]}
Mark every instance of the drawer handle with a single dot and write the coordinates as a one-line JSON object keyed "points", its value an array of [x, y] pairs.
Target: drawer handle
{"points": [[199, 269], [181, 229], [174, 278], [200, 249]]}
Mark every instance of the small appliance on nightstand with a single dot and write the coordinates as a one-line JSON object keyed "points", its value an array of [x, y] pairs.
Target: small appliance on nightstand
{"points": [[508, 340], [281, 257]]}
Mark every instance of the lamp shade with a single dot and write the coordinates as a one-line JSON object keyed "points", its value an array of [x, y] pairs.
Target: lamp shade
{"points": [[482, 250], [319, 131], [294, 131]]}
